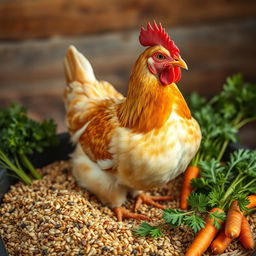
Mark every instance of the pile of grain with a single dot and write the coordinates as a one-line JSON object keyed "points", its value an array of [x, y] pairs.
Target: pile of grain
{"points": [[54, 216]]}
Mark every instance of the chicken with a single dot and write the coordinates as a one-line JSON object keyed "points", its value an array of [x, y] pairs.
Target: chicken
{"points": [[130, 145]]}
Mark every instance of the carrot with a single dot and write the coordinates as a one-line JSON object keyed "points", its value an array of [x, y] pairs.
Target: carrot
{"points": [[191, 172], [246, 237], [220, 243], [234, 220], [204, 237], [234, 217], [252, 199]]}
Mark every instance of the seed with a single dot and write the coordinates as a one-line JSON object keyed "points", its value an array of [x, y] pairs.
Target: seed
{"points": [[45, 252], [57, 226], [105, 249], [83, 241], [12, 210], [134, 251], [23, 225], [58, 211]]}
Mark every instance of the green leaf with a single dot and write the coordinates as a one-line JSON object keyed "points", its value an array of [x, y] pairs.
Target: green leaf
{"points": [[242, 202], [252, 190], [174, 217], [199, 183], [196, 102], [194, 222], [217, 217], [146, 229], [211, 170], [237, 156], [156, 232], [198, 201], [215, 196]]}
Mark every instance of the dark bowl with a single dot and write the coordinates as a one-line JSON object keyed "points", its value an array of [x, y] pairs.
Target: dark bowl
{"points": [[56, 153]]}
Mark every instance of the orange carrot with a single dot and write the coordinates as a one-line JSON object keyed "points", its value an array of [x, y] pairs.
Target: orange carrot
{"points": [[246, 237], [252, 199], [220, 243], [234, 217], [191, 172], [234, 220], [204, 237]]}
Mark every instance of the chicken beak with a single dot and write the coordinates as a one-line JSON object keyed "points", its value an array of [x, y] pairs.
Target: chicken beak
{"points": [[179, 62]]}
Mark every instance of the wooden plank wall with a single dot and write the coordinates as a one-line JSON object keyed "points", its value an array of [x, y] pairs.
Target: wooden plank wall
{"points": [[21, 19], [216, 38]]}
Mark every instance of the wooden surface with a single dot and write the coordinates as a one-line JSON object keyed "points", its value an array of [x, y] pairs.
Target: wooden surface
{"points": [[212, 52], [21, 19]]}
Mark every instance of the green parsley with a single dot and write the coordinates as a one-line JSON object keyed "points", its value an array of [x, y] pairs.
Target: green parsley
{"points": [[21, 136]]}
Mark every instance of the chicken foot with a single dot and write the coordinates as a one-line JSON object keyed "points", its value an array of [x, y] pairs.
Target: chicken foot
{"points": [[150, 200], [122, 213]]}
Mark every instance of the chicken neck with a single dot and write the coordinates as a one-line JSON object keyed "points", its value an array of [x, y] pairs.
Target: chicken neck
{"points": [[149, 104]]}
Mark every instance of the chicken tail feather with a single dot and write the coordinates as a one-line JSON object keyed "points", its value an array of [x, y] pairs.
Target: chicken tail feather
{"points": [[77, 67]]}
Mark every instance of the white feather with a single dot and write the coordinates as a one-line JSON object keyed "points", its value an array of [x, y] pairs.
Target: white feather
{"points": [[105, 163], [79, 132]]}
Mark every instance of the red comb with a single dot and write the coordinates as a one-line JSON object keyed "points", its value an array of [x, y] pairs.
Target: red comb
{"points": [[156, 35]]}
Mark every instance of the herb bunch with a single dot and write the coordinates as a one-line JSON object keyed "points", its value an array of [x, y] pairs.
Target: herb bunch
{"points": [[222, 117], [21, 136]]}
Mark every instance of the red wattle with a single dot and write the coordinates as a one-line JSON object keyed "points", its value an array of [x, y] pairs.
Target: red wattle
{"points": [[170, 75], [167, 76], [177, 72]]}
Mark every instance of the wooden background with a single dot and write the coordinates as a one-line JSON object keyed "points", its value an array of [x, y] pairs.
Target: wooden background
{"points": [[216, 38]]}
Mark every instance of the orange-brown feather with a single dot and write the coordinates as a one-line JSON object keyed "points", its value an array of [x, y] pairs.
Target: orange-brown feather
{"points": [[95, 140], [96, 137]]}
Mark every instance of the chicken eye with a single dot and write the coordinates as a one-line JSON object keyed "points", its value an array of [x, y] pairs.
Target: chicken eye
{"points": [[160, 56]]}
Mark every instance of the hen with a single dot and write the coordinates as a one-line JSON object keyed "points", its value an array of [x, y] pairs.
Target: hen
{"points": [[129, 145]]}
